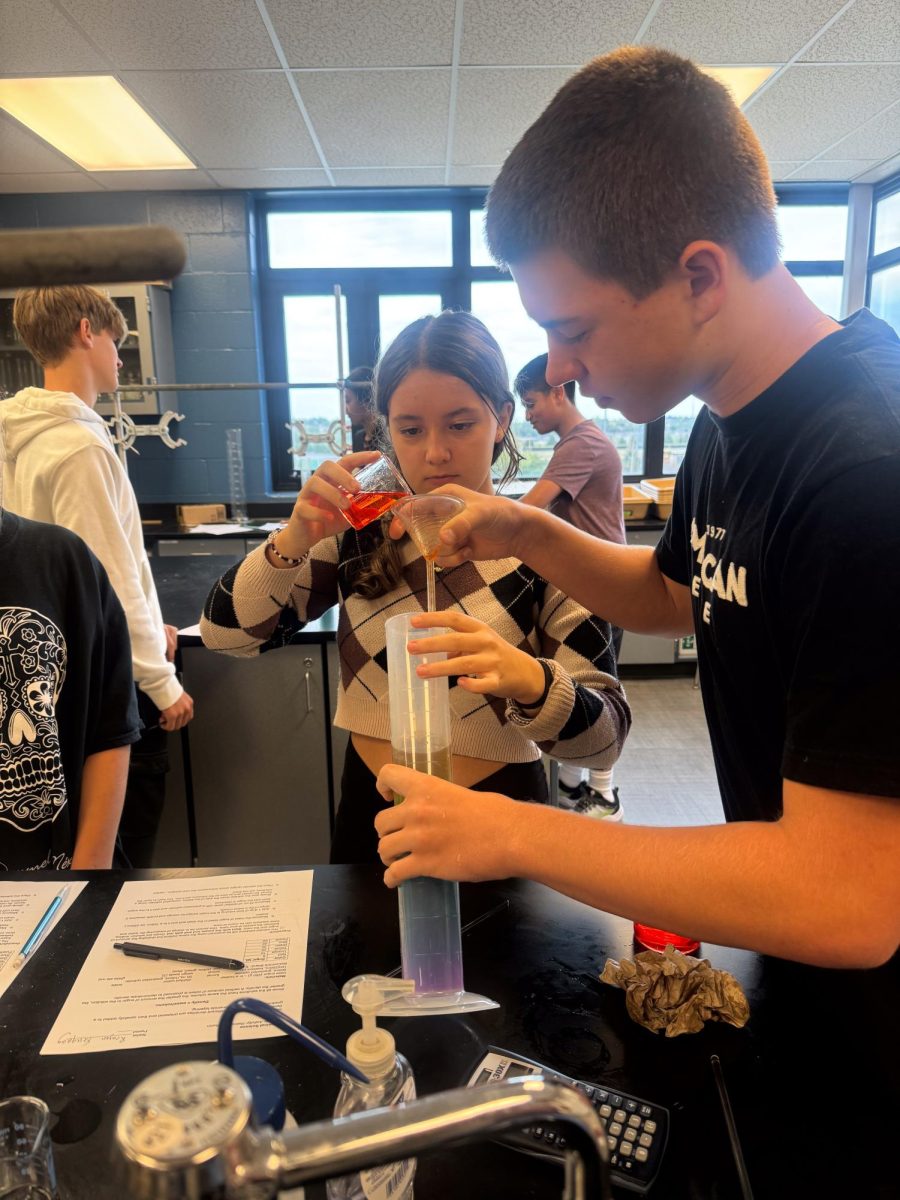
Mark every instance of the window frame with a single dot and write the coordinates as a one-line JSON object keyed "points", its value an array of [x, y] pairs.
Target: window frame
{"points": [[362, 286], [887, 258]]}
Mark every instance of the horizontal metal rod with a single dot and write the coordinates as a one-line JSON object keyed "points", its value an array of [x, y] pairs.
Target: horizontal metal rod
{"points": [[221, 387]]}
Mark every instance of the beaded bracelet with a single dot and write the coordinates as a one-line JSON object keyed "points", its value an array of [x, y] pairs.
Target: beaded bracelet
{"points": [[293, 562]]}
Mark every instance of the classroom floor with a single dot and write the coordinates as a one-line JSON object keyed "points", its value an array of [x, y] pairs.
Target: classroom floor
{"points": [[665, 775]]}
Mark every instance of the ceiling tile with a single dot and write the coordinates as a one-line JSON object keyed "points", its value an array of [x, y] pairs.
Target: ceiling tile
{"points": [[810, 107], [310, 177], [38, 39], [494, 108], [781, 170], [878, 138], [65, 181], [523, 32], [228, 118], [360, 33], [867, 32], [718, 32], [390, 177], [473, 176], [21, 150], [399, 117], [151, 181], [173, 34], [832, 170]]}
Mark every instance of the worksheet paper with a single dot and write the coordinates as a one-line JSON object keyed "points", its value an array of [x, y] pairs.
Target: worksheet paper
{"points": [[21, 907], [220, 530], [119, 1002]]}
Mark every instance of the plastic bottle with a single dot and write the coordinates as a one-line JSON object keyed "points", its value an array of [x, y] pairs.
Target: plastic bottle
{"points": [[374, 1052]]}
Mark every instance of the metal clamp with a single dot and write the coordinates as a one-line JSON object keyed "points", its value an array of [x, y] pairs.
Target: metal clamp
{"points": [[124, 430], [335, 437]]}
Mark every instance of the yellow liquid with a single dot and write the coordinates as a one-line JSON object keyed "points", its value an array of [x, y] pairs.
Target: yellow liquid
{"points": [[440, 764]]}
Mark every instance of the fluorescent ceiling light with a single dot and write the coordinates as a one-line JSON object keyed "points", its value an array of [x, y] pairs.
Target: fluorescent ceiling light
{"points": [[93, 120], [742, 82]]}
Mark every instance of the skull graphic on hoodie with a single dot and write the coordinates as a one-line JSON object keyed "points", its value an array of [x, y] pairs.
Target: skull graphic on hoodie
{"points": [[32, 673]]}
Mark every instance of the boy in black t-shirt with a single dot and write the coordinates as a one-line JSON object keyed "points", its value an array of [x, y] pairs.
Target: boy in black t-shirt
{"points": [[67, 707], [638, 218]]}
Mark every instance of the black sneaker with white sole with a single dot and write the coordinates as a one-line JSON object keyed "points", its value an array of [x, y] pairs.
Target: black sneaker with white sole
{"points": [[599, 806]]}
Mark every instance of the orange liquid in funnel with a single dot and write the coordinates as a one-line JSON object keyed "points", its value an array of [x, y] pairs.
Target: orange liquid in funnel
{"points": [[369, 506]]}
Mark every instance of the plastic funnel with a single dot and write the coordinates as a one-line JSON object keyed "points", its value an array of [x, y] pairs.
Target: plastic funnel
{"points": [[423, 517]]}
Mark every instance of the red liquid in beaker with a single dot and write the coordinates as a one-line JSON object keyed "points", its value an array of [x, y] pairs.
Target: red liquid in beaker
{"points": [[658, 939], [368, 506]]}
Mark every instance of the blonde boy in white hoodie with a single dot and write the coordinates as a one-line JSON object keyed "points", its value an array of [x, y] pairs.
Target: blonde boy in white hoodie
{"points": [[62, 468]]}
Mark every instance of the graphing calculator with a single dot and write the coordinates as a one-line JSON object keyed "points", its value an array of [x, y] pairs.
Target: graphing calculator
{"points": [[636, 1129]]}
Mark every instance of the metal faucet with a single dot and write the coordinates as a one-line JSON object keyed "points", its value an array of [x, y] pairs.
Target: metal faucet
{"points": [[187, 1131]]}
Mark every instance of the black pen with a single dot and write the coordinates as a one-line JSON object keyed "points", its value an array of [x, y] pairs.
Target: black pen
{"points": [[136, 950]]}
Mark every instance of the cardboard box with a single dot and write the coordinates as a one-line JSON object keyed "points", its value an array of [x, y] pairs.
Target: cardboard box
{"points": [[200, 514]]}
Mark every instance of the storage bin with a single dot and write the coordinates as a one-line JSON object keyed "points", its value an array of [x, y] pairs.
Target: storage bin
{"points": [[635, 502], [659, 489]]}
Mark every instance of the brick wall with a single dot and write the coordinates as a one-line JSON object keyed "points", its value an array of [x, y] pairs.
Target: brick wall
{"points": [[214, 331]]}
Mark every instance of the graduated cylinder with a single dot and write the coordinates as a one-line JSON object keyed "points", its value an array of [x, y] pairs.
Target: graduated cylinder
{"points": [[430, 937]]}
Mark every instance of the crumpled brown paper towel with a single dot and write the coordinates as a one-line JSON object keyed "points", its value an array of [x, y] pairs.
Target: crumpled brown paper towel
{"points": [[676, 992]]}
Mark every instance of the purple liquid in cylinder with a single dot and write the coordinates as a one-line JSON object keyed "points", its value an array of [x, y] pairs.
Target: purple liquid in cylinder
{"points": [[430, 939]]}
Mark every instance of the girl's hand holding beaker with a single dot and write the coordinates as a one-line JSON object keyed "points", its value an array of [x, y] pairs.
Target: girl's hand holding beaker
{"points": [[485, 663], [319, 508]]}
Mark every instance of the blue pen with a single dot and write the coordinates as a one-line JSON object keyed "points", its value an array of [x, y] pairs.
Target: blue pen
{"points": [[38, 932]]}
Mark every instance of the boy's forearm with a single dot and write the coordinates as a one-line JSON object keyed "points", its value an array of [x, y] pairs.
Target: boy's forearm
{"points": [[623, 584], [799, 888], [102, 795]]}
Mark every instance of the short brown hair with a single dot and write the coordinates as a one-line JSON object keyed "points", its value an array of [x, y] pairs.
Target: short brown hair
{"points": [[638, 155], [47, 319]]}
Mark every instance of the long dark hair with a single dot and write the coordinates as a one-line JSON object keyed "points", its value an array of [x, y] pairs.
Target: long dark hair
{"points": [[452, 343]]}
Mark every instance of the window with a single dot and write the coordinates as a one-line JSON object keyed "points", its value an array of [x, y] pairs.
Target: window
{"points": [[499, 306], [887, 224], [884, 260], [812, 232], [360, 239], [479, 254], [310, 339], [679, 423], [396, 312], [398, 255], [497, 303], [886, 295]]}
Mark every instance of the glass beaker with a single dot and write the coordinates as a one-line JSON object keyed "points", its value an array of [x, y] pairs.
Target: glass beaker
{"points": [[26, 1155], [430, 933], [380, 487]]}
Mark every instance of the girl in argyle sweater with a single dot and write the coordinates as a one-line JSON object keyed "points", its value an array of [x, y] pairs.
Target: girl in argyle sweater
{"points": [[530, 669]]}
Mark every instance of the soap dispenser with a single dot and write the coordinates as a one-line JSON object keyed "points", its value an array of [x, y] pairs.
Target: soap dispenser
{"points": [[373, 1052]]}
